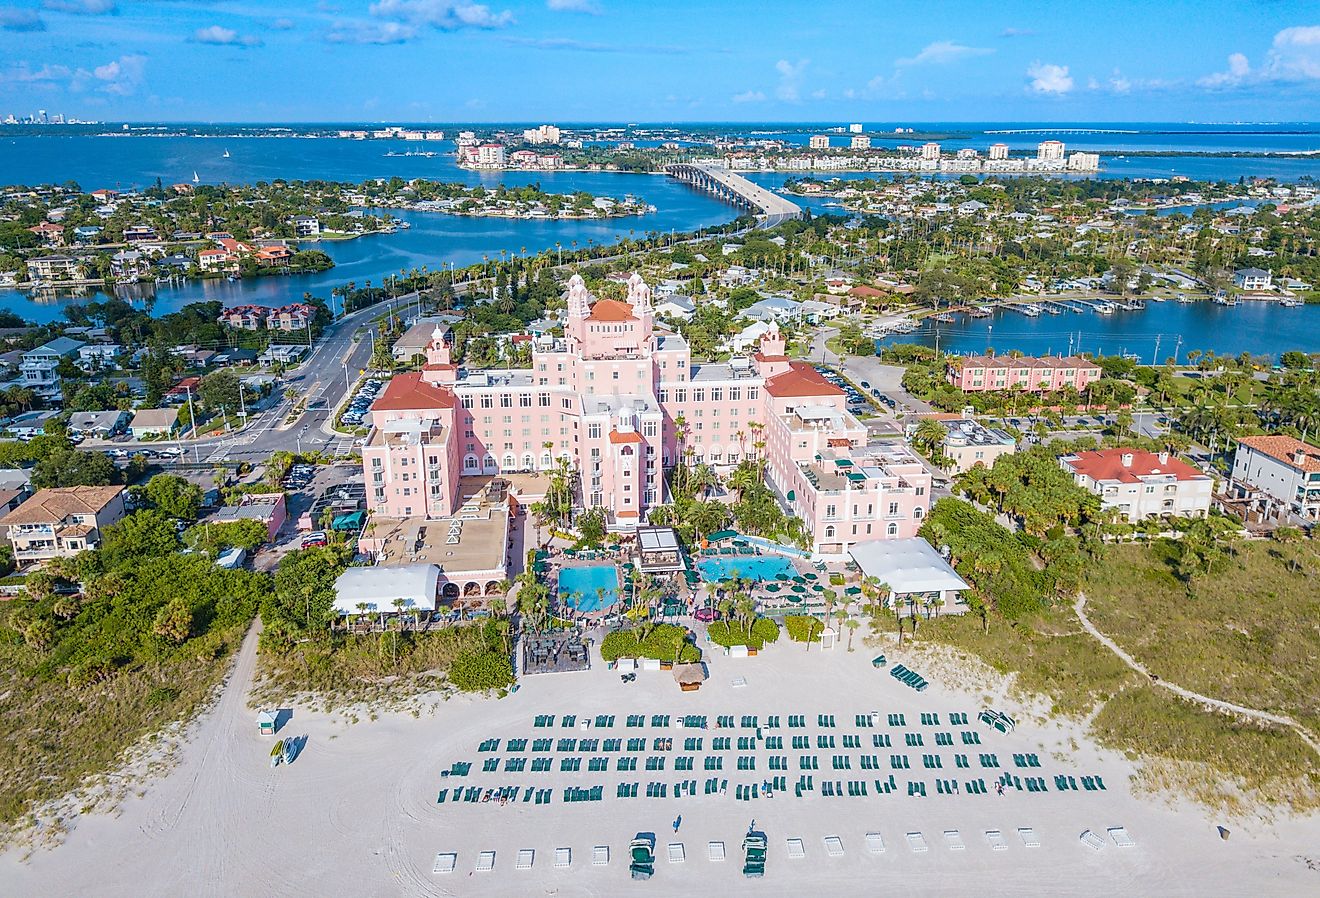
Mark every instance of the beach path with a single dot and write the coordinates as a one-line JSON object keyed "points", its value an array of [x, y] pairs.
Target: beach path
{"points": [[1213, 703]]}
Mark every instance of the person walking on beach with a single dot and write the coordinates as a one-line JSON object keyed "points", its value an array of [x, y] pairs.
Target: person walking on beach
{"points": [[678, 821]]}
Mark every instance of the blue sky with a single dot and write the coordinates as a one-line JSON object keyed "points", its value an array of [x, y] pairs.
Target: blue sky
{"points": [[651, 60]]}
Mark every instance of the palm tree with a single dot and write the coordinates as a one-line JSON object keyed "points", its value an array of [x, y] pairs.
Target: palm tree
{"points": [[852, 624]]}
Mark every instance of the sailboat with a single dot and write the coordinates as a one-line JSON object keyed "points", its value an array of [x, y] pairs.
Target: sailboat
{"points": [[226, 156], [196, 180]]}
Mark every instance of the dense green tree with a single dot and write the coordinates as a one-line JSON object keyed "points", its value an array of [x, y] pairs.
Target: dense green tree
{"points": [[173, 496], [74, 467]]}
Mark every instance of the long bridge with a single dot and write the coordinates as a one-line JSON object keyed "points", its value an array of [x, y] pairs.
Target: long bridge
{"points": [[770, 208]]}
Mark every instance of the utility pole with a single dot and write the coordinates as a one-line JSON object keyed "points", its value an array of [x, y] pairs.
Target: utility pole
{"points": [[192, 416], [1156, 359], [347, 386], [1176, 347]]}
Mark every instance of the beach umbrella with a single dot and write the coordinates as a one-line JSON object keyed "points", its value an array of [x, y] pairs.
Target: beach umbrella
{"points": [[798, 587], [781, 576], [809, 575], [853, 590], [796, 600], [799, 580]]}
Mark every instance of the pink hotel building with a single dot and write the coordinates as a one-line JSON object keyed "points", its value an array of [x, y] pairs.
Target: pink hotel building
{"points": [[611, 397]]}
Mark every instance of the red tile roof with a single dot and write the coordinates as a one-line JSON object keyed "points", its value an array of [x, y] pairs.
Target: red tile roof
{"points": [[611, 310], [1285, 449], [1107, 464], [800, 381], [630, 436], [408, 392]]}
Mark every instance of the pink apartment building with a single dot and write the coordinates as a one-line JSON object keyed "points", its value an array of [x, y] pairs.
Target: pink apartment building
{"points": [[981, 374], [612, 397]]}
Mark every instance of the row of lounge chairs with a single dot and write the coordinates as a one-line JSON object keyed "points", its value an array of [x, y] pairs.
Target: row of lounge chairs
{"points": [[867, 720], [908, 677]]}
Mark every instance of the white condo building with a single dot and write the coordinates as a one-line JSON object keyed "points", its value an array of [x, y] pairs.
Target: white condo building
{"points": [[1049, 151], [998, 151]]}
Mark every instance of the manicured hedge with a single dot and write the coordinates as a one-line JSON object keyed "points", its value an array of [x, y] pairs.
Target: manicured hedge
{"points": [[803, 628], [764, 632], [664, 642]]}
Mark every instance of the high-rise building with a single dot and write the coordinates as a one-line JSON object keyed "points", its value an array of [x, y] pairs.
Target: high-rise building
{"points": [[41, 117], [967, 153], [930, 151], [1084, 162], [819, 142], [855, 128], [1049, 151], [860, 142], [998, 151], [542, 134]]}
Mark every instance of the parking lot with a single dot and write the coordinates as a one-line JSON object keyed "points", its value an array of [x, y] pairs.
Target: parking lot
{"points": [[355, 413]]}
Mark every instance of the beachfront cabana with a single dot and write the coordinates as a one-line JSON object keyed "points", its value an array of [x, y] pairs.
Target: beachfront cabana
{"points": [[917, 575], [689, 676], [658, 551]]}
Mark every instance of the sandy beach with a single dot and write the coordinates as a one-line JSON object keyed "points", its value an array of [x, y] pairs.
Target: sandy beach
{"points": [[356, 813]]}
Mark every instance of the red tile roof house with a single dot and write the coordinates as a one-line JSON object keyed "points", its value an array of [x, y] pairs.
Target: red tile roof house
{"points": [[293, 317], [274, 256], [1283, 468], [52, 234], [985, 374], [248, 317], [1142, 485]]}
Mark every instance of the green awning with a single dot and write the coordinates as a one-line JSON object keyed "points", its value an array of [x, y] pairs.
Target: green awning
{"points": [[722, 534], [792, 496], [843, 463]]}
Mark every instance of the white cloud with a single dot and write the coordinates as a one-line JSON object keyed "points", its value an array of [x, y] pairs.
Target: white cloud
{"points": [[81, 7], [1017, 32], [1048, 78], [442, 14], [284, 24], [23, 73], [790, 79], [1295, 54], [749, 96], [1238, 70], [587, 6], [224, 37], [356, 31], [14, 19], [942, 52]]}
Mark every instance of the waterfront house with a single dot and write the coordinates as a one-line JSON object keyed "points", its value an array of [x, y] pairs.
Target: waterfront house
{"points": [[1282, 468], [217, 260], [54, 268], [306, 226], [128, 265], [273, 256], [1141, 485], [1252, 279], [98, 356], [61, 522]]}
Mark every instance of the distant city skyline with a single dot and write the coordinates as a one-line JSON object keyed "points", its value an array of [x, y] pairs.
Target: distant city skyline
{"points": [[606, 60]]}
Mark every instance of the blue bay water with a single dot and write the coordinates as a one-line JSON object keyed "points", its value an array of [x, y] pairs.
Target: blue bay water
{"points": [[435, 240], [1259, 328]]}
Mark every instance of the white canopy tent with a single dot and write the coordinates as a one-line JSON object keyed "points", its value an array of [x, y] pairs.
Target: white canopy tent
{"points": [[378, 587], [912, 568]]}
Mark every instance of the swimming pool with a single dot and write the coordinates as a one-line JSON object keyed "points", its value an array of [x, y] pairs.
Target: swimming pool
{"points": [[745, 567], [581, 587]]}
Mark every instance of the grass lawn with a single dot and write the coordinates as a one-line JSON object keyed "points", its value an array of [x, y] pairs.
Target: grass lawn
{"points": [[55, 735], [1248, 634]]}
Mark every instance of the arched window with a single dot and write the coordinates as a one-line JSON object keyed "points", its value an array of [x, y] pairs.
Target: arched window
{"points": [[829, 532], [547, 461], [489, 465], [470, 463], [893, 530], [529, 462], [917, 513], [509, 461]]}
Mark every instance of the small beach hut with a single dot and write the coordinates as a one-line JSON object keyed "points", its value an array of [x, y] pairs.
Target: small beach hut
{"points": [[689, 676], [266, 721]]}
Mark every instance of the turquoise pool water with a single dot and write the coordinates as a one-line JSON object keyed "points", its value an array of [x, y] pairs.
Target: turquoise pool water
{"points": [[578, 586], [745, 567]]}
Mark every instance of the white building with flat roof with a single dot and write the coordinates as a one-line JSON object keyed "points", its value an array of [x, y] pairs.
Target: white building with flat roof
{"points": [[998, 151], [1049, 151], [918, 577], [378, 589]]}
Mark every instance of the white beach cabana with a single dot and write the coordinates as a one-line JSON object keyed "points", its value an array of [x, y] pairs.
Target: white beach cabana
{"points": [[914, 571]]}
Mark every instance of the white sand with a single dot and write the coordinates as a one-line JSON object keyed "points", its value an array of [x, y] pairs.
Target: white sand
{"points": [[356, 814]]}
